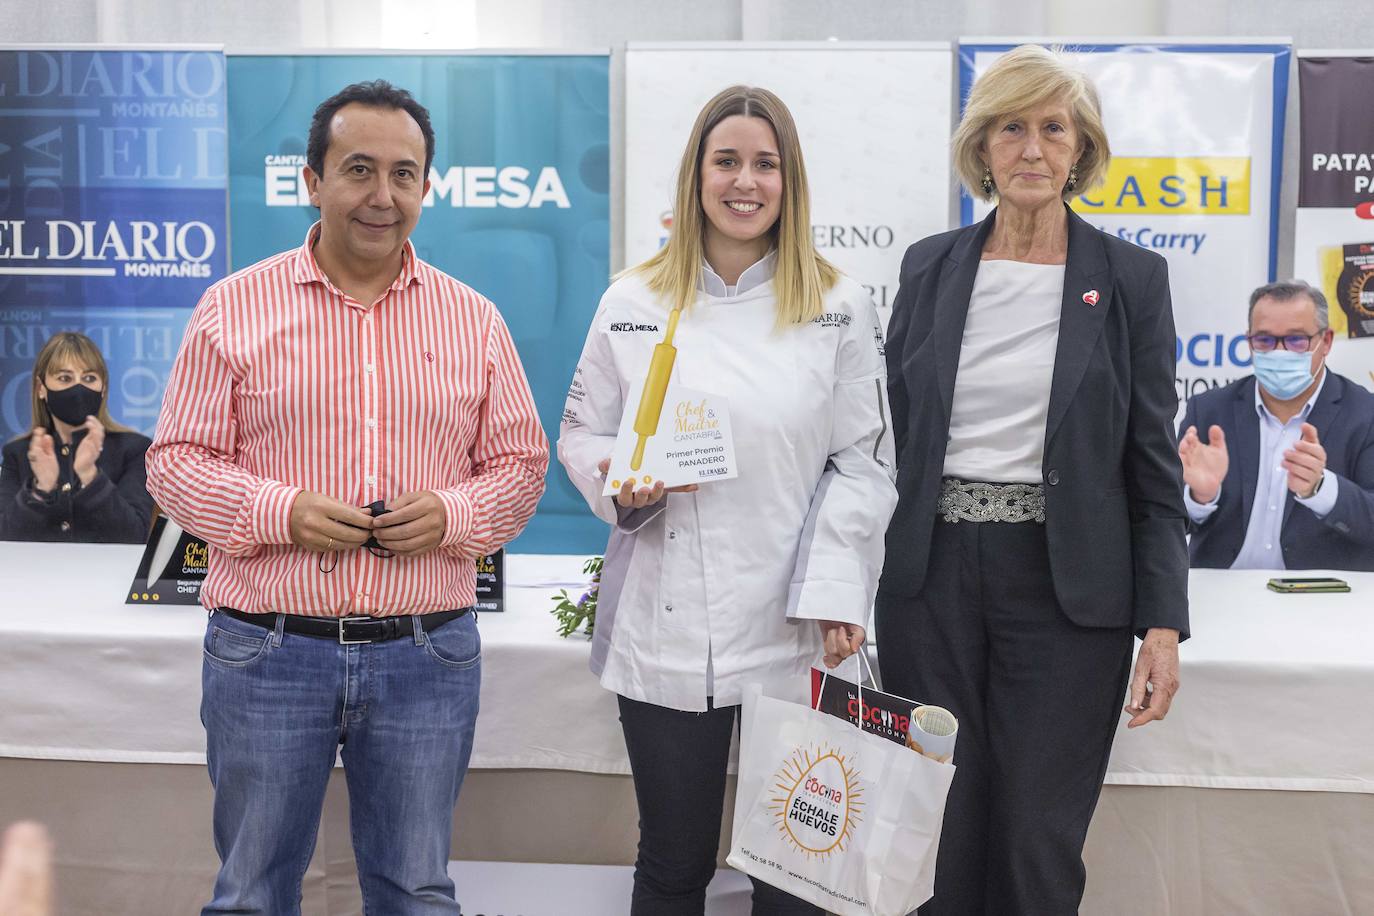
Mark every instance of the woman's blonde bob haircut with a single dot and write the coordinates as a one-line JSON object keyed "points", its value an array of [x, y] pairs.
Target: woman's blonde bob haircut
{"points": [[1022, 79], [77, 351], [802, 277]]}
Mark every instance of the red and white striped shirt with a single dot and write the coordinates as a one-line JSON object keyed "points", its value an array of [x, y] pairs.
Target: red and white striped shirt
{"points": [[284, 383]]}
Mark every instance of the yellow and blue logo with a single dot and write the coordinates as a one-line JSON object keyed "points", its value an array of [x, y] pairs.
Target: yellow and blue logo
{"points": [[1194, 185]]}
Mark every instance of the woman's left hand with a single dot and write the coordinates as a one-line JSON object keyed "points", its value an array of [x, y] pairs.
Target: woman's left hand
{"points": [[83, 463], [840, 640], [1157, 665]]}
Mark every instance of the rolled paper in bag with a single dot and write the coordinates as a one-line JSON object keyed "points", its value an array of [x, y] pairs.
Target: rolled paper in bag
{"points": [[932, 732]]}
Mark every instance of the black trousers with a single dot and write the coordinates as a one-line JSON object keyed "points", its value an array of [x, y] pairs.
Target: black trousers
{"points": [[678, 760], [1037, 698]]}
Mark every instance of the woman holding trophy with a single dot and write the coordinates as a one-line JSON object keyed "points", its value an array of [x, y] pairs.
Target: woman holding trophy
{"points": [[708, 588]]}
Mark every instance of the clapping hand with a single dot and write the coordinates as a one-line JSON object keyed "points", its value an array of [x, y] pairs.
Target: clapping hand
{"points": [[43, 461], [83, 465], [1204, 466], [1305, 463]]}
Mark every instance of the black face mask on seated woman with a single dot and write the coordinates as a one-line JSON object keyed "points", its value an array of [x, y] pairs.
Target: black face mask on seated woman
{"points": [[72, 405]]}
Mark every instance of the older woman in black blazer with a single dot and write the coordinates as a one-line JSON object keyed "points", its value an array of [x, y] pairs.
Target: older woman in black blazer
{"points": [[1041, 519]]}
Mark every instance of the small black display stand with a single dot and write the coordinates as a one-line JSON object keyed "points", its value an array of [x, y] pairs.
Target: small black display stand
{"points": [[172, 569], [491, 582]]}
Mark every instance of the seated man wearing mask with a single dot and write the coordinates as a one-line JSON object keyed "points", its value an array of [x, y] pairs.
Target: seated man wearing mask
{"points": [[1285, 476]]}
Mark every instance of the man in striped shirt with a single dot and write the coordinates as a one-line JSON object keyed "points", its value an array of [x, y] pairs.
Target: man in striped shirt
{"points": [[347, 373]]}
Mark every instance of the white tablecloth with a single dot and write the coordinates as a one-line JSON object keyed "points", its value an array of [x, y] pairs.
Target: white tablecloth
{"points": [[1274, 686]]}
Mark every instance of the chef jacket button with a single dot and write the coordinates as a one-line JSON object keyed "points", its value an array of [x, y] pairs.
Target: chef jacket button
{"points": [[1052, 478], [668, 608], [67, 526], [672, 535]]}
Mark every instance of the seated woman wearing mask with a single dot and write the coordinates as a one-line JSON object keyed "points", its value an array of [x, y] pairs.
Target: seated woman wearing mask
{"points": [[79, 475]]}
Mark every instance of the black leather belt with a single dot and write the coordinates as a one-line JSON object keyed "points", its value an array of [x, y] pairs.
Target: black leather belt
{"points": [[347, 630]]}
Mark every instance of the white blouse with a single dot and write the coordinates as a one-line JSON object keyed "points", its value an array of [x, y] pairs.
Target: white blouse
{"points": [[1006, 364]]}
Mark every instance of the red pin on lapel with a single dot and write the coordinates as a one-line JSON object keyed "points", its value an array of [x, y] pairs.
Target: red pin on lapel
{"points": [[1090, 297]]}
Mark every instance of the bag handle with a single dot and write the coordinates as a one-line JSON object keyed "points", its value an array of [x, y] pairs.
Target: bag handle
{"points": [[861, 665]]}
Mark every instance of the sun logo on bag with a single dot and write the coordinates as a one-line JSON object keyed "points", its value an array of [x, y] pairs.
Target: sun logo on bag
{"points": [[818, 800]]}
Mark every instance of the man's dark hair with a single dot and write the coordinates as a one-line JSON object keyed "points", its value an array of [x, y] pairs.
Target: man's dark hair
{"points": [[1285, 290], [375, 94]]}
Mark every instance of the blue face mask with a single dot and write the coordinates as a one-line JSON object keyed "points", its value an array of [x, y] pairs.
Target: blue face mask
{"points": [[1283, 374]]}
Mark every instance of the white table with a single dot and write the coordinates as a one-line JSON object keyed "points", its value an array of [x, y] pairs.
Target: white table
{"points": [[1274, 698]]}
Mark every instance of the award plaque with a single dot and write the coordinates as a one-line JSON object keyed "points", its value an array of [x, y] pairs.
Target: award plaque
{"points": [[172, 568], [491, 582], [669, 433]]}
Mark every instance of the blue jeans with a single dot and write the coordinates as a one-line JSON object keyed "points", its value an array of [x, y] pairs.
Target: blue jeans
{"points": [[276, 708]]}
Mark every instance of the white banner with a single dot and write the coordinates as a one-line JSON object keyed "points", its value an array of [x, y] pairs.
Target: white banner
{"points": [[1196, 133], [873, 117], [1334, 241]]}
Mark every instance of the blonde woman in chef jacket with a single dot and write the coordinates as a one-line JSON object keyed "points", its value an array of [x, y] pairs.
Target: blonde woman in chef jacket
{"points": [[743, 580]]}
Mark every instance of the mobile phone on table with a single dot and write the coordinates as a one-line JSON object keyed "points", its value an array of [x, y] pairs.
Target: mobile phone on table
{"points": [[1316, 585]]}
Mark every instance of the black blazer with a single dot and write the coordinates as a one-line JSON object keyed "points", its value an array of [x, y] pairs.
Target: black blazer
{"points": [[1114, 513], [115, 508], [1344, 538]]}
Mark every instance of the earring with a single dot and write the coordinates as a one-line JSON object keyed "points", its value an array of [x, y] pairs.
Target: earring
{"points": [[1073, 179], [988, 186]]}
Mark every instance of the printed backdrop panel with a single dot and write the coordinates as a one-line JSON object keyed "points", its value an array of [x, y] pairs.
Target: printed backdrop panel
{"points": [[112, 212], [519, 206]]}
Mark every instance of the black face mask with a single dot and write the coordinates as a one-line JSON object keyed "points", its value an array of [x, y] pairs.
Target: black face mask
{"points": [[373, 547], [74, 404]]}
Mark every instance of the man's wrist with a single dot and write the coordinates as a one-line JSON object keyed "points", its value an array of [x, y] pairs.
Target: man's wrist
{"points": [[1203, 498], [1195, 498]]}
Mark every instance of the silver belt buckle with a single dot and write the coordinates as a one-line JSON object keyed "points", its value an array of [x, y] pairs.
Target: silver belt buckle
{"points": [[977, 501], [351, 642]]}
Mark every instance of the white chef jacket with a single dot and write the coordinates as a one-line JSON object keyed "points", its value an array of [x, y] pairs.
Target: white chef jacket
{"points": [[705, 592]]}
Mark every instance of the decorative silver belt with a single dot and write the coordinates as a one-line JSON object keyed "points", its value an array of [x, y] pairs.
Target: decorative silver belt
{"points": [[975, 501]]}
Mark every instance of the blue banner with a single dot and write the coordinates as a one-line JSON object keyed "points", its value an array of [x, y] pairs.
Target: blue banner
{"points": [[113, 175], [519, 207]]}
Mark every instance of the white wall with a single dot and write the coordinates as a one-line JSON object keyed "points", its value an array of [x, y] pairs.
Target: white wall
{"points": [[435, 24]]}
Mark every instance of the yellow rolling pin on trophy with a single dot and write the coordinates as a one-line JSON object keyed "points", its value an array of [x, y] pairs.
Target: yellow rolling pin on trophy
{"points": [[698, 446], [655, 389]]}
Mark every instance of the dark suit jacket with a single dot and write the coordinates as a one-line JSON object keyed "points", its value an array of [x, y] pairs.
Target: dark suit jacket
{"points": [[1344, 418], [115, 508], [1114, 513]]}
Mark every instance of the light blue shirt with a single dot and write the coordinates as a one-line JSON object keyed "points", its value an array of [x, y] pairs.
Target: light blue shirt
{"points": [[1261, 549]]}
